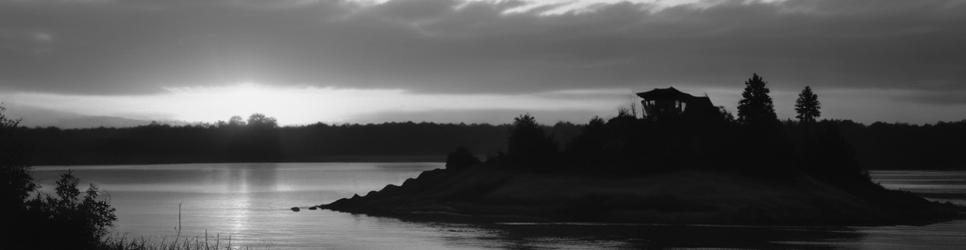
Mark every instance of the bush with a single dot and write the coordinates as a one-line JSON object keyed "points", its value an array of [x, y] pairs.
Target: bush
{"points": [[67, 220], [76, 220], [529, 145], [460, 159]]}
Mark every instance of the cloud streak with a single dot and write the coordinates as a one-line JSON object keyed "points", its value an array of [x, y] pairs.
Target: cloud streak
{"points": [[450, 46]]}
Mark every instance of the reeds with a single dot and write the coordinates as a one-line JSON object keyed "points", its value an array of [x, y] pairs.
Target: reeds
{"points": [[177, 243], [122, 242]]}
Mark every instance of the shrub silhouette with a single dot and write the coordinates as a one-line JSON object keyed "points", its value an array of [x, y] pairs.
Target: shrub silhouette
{"points": [[529, 145], [588, 148], [461, 158], [824, 153], [16, 184], [65, 221], [76, 221], [261, 121], [236, 121]]}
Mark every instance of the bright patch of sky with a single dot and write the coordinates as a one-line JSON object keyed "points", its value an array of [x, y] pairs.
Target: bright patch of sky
{"points": [[308, 104]]}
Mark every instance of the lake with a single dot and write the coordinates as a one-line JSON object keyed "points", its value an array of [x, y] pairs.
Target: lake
{"points": [[251, 202]]}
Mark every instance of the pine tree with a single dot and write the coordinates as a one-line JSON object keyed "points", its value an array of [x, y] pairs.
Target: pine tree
{"points": [[807, 106], [756, 107]]}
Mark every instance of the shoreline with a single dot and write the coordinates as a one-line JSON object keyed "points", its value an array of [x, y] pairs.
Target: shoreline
{"points": [[665, 198]]}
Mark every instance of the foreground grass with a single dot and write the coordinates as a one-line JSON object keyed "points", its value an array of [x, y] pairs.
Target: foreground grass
{"points": [[205, 242]]}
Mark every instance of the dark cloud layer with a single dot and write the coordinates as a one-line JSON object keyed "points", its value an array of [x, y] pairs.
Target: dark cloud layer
{"points": [[140, 46]]}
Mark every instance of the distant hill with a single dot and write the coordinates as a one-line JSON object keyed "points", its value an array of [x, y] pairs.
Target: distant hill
{"points": [[65, 120]]}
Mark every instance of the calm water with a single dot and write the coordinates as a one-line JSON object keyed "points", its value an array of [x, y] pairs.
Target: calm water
{"points": [[251, 203]]}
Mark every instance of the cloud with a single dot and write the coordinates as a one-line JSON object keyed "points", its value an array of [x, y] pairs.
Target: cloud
{"points": [[943, 98], [140, 46], [147, 48]]}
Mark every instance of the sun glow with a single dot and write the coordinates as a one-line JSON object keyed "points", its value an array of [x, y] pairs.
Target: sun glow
{"points": [[309, 104]]}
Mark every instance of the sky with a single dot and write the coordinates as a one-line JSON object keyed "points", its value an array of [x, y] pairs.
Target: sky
{"points": [[82, 63]]}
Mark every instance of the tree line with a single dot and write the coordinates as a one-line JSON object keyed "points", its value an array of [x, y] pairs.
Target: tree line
{"points": [[755, 142], [260, 139]]}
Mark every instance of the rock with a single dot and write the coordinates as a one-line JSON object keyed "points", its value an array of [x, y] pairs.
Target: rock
{"points": [[295, 209], [313, 208]]}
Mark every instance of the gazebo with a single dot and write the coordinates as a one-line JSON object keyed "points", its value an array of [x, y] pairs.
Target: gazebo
{"points": [[669, 102]]}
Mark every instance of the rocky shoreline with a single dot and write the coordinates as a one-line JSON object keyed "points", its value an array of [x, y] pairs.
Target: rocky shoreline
{"points": [[488, 192]]}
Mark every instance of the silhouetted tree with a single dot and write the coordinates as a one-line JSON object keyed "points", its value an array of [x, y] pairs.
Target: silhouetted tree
{"points": [[587, 149], [627, 111], [725, 114], [6, 122], [258, 120], [236, 121], [460, 159], [528, 144], [756, 107], [764, 148], [807, 106], [258, 142], [15, 183]]}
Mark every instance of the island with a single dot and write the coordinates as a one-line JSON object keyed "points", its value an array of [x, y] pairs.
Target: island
{"points": [[684, 161]]}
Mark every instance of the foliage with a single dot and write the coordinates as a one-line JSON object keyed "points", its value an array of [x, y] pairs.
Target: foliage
{"points": [[755, 107], [905, 146], [807, 106], [6, 122], [725, 115], [528, 144], [589, 147], [823, 152], [235, 121], [460, 159], [754, 145], [15, 183], [74, 219], [226, 143], [217, 242], [261, 121]]}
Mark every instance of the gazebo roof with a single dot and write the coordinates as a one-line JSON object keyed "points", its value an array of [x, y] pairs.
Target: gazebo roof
{"points": [[665, 93]]}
